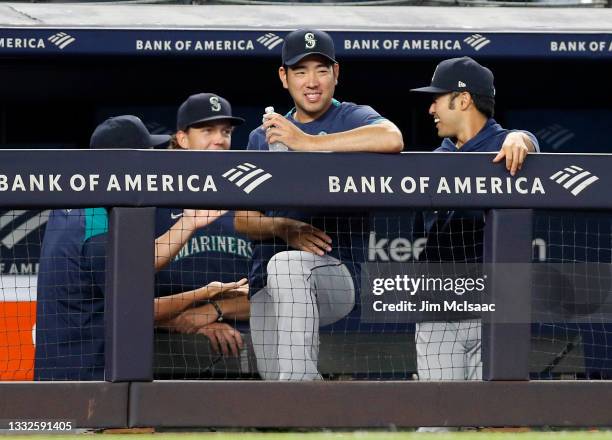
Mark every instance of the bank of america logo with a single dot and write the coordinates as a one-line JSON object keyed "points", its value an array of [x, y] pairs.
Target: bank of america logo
{"points": [[555, 135], [477, 41], [247, 176], [62, 39], [22, 224], [574, 179], [270, 40]]}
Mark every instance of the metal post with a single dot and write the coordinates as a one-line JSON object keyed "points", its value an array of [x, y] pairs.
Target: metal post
{"points": [[506, 333], [129, 295]]}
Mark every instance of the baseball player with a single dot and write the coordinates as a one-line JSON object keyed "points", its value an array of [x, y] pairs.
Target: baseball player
{"points": [[463, 100], [303, 265], [70, 290], [215, 252]]}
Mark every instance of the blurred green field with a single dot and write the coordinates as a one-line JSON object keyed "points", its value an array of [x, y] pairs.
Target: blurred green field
{"points": [[358, 435]]}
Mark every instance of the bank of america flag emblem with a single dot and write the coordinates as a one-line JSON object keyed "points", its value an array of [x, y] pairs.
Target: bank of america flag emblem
{"points": [[574, 179], [555, 135], [247, 176], [22, 223], [477, 41], [62, 40], [270, 40]]}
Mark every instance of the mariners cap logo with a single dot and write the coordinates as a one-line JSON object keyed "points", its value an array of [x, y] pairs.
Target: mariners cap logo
{"points": [[215, 105], [461, 84], [310, 40]]}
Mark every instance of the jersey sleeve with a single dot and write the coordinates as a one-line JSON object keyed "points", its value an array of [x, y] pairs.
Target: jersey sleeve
{"points": [[534, 140], [94, 259], [257, 140], [360, 116]]}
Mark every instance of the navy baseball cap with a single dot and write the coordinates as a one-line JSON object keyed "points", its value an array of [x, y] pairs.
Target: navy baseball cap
{"points": [[303, 42], [461, 75], [204, 107], [126, 131]]}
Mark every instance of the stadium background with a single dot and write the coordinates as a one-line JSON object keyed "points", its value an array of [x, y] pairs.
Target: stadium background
{"points": [[53, 97]]}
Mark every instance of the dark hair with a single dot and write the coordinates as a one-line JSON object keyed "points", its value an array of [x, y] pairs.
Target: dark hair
{"points": [[326, 61], [484, 104], [173, 144]]}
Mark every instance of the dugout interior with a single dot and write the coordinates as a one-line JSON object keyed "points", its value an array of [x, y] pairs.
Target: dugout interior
{"points": [[54, 99], [551, 66], [57, 102]]}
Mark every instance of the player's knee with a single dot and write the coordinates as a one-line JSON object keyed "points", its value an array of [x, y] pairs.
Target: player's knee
{"points": [[279, 264], [285, 264], [347, 303]]}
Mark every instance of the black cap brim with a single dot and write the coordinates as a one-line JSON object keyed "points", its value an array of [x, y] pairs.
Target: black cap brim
{"points": [[430, 89], [159, 140], [233, 120], [296, 59]]}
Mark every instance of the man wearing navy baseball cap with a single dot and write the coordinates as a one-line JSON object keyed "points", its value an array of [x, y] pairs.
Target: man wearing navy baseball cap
{"points": [[463, 108], [126, 131], [463, 100], [304, 272], [204, 122], [71, 278], [304, 42]]}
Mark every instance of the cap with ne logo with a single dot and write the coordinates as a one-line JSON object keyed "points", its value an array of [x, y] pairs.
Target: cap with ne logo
{"points": [[303, 42], [461, 75], [204, 107], [126, 131]]}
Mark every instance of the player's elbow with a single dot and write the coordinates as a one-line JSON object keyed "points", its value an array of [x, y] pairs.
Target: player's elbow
{"points": [[394, 141], [397, 144], [241, 221]]}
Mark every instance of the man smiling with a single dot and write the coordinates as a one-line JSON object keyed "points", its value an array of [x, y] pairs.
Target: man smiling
{"points": [[303, 267], [462, 104]]}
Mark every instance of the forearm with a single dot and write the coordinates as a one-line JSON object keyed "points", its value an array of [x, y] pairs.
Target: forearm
{"points": [[258, 226], [167, 307], [384, 137], [170, 243], [235, 308], [193, 319]]}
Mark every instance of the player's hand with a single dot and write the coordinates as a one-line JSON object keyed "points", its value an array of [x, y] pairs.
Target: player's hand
{"points": [[515, 150], [223, 338], [304, 237], [217, 288], [280, 129], [200, 218]]}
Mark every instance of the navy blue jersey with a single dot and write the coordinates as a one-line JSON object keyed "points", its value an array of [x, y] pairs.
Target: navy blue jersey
{"points": [[214, 253], [458, 235], [348, 233], [489, 139], [70, 303]]}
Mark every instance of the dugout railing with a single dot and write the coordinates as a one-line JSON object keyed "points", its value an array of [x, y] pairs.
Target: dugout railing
{"points": [[130, 397]]}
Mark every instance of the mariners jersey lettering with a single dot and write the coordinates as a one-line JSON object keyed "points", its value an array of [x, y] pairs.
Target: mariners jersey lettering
{"points": [[213, 253], [347, 233]]}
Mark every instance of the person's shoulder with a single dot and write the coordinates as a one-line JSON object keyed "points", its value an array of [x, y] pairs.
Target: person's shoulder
{"points": [[446, 146], [348, 107], [357, 114], [257, 139]]}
